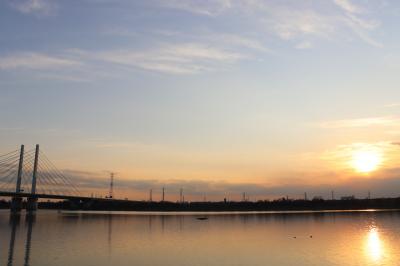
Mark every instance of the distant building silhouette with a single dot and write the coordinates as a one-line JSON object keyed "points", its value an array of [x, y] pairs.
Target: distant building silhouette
{"points": [[348, 197]]}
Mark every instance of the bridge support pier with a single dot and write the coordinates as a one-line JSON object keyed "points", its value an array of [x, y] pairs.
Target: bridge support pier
{"points": [[16, 204], [32, 204]]}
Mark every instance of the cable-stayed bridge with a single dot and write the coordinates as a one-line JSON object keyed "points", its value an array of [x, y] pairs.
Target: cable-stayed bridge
{"points": [[31, 175]]}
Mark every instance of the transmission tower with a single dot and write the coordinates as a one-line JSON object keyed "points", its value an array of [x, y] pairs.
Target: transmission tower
{"points": [[111, 192]]}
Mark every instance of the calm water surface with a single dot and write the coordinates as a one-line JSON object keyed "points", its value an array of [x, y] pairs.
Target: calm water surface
{"points": [[87, 238]]}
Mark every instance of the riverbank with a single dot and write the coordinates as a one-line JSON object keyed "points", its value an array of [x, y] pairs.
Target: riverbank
{"points": [[275, 205]]}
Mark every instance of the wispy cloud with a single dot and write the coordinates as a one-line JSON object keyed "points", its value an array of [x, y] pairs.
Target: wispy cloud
{"points": [[348, 6], [185, 58], [172, 59], [35, 61], [225, 41], [356, 23], [175, 52], [304, 45], [291, 24], [361, 122], [37, 7], [392, 105], [107, 144], [345, 151], [207, 7], [190, 53], [232, 40], [292, 21], [217, 190], [64, 77], [361, 28]]}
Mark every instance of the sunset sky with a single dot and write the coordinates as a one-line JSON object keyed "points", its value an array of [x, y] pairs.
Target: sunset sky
{"points": [[271, 98]]}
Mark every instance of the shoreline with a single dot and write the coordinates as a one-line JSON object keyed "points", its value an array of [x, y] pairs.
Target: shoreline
{"points": [[281, 205]]}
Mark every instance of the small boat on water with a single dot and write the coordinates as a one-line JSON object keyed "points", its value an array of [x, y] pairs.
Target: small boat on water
{"points": [[202, 218]]}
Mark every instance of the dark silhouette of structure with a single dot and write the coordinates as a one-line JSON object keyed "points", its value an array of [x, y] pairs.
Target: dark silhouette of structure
{"points": [[27, 176], [32, 176], [111, 190]]}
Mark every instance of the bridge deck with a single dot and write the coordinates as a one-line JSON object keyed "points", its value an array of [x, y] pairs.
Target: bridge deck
{"points": [[48, 196]]}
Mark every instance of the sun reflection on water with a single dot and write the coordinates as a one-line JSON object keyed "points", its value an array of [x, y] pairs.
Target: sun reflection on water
{"points": [[374, 245]]}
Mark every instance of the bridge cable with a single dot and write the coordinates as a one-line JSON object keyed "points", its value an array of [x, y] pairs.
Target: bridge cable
{"points": [[47, 179], [26, 182], [51, 176], [60, 175], [8, 175], [8, 153]]}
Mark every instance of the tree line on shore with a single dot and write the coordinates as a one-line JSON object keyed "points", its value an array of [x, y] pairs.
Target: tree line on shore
{"points": [[282, 204]]}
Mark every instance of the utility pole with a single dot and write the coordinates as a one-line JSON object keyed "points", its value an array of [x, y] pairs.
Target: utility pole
{"points": [[163, 194], [151, 195], [181, 195]]}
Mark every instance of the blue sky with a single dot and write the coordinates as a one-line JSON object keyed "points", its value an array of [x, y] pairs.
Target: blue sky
{"points": [[239, 92]]}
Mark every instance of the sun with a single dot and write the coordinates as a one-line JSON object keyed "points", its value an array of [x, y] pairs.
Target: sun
{"points": [[365, 161]]}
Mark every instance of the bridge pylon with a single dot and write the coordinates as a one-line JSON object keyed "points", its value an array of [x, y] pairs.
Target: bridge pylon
{"points": [[16, 202], [32, 200]]}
